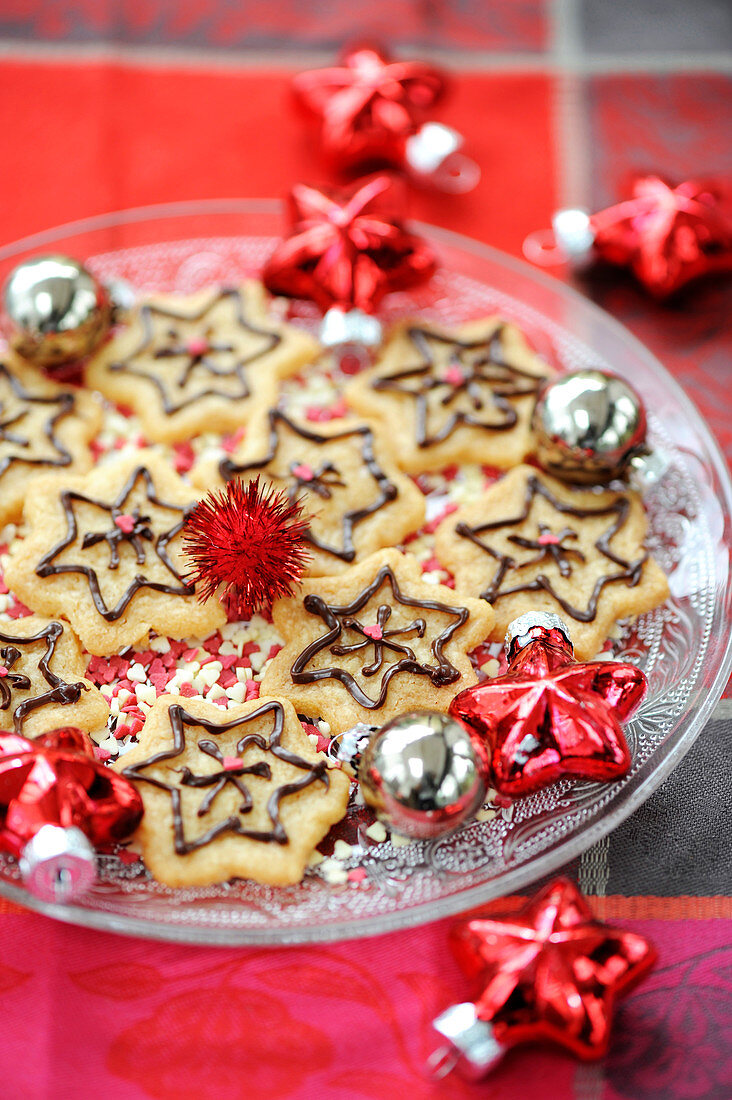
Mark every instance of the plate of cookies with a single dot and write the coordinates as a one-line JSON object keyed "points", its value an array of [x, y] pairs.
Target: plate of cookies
{"points": [[431, 525]]}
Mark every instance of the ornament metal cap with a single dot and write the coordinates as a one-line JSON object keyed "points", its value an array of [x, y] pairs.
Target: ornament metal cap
{"points": [[433, 156], [471, 1047], [58, 864], [352, 326], [519, 630], [348, 747], [571, 239]]}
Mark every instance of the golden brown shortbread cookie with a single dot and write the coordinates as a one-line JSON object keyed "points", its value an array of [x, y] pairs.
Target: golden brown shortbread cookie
{"points": [[104, 551], [374, 642], [210, 361], [453, 396], [536, 544], [345, 476], [231, 793], [43, 427], [42, 682]]}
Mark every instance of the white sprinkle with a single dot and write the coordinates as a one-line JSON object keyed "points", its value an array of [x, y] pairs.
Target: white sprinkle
{"points": [[159, 645], [146, 693], [376, 832], [334, 872], [243, 674], [400, 841], [199, 684], [226, 649], [324, 728], [313, 739], [257, 659], [137, 674], [123, 695], [237, 692], [342, 850], [216, 692], [210, 673], [491, 667], [507, 812]]}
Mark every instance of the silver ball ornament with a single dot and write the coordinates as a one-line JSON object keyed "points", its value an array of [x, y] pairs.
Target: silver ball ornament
{"points": [[589, 426], [54, 310], [423, 774]]}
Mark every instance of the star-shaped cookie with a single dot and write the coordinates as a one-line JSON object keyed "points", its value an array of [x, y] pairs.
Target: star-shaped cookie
{"points": [[345, 477], [236, 793], [450, 397], [104, 551], [42, 682], [207, 362], [534, 544], [374, 642], [43, 427]]}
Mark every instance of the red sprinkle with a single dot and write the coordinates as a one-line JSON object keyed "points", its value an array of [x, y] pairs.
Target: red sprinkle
{"points": [[374, 632], [187, 691], [358, 874], [252, 690], [102, 754], [126, 856], [230, 442], [183, 457]]}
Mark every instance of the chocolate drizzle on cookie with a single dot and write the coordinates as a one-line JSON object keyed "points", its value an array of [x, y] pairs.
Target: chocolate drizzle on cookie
{"points": [[200, 355], [552, 546], [231, 772], [124, 526], [322, 480], [12, 647], [376, 640], [477, 372], [11, 426]]}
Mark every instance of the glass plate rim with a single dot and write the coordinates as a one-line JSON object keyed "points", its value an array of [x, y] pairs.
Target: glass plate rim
{"points": [[579, 840]]}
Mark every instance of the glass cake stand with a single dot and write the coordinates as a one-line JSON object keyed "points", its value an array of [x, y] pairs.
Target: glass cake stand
{"points": [[685, 647]]}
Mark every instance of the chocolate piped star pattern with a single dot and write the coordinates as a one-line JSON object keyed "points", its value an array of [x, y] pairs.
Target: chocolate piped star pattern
{"points": [[535, 544], [206, 362], [375, 642], [43, 427], [105, 552], [236, 793], [454, 396], [345, 476], [42, 682]]}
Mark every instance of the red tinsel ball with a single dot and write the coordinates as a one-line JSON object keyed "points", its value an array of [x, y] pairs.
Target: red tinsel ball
{"points": [[246, 541]]}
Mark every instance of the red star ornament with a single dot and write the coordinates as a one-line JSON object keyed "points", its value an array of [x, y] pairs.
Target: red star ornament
{"points": [[551, 972], [57, 780], [369, 104], [348, 248], [667, 235], [551, 716]]}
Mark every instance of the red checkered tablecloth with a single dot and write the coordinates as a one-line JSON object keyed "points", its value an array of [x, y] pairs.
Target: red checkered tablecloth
{"points": [[106, 105]]}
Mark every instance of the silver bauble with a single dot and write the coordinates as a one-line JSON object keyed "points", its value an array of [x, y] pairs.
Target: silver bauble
{"points": [[423, 774], [589, 426], [54, 310], [58, 864]]}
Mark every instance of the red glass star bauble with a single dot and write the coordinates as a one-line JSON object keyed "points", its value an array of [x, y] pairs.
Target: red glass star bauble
{"points": [[667, 235], [551, 716], [57, 780], [550, 972], [369, 105], [348, 248], [248, 542]]}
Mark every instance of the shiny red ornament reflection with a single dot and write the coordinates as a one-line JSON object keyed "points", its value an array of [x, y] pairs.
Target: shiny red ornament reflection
{"points": [[348, 248], [550, 972], [57, 780], [667, 235], [369, 104], [551, 716]]}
